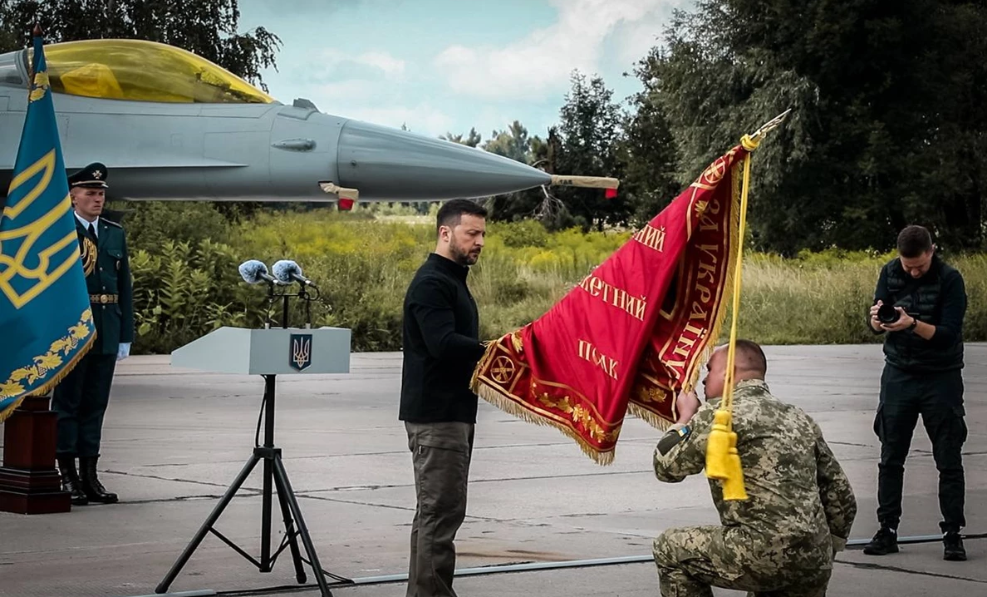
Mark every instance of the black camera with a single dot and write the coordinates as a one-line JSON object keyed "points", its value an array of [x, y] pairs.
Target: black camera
{"points": [[887, 314]]}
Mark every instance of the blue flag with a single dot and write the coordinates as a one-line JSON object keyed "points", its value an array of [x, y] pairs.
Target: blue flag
{"points": [[45, 318]]}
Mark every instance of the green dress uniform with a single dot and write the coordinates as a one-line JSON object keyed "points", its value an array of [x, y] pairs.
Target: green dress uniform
{"points": [[80, 400], [800, 506]]}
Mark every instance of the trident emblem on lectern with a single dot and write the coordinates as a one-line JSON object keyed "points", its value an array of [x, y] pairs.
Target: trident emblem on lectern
{"points": [[301, 351]]}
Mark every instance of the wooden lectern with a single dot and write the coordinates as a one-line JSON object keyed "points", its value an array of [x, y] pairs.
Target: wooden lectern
{"points": [[29, 482]]}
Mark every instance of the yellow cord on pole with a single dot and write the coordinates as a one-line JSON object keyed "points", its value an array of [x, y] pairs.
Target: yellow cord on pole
{"points": [[737, 281], [722, 458]]}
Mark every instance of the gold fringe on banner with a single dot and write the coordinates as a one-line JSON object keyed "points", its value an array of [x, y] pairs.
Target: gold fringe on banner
{"points": [[58, 345]]}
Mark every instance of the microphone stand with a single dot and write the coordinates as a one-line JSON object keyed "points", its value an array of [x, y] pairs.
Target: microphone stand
{"points": [[270, 305], [303, 294], [284, 312], [275, 477]]}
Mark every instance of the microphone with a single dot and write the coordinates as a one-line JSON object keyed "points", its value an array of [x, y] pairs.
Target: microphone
{"points": [[287, 271], [254, 271]]}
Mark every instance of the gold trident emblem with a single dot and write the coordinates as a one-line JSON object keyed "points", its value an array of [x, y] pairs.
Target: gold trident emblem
{"points": [[13, 257], [301, 350]]}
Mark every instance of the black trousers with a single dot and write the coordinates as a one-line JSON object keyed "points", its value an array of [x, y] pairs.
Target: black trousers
{"points": [[938, 397], [441, 454], [80, 402]]}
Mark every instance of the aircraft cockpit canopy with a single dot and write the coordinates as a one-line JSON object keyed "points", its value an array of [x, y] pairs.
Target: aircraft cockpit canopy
{"points": [[146, 71]]}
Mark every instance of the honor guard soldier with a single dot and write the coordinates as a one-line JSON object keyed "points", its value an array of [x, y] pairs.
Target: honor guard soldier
{"points": [[80, 400]]}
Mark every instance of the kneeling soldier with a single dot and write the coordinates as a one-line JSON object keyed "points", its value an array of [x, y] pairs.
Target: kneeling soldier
{"points": [[800, 505]]}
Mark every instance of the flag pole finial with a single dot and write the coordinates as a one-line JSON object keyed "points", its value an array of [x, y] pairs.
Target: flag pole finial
{"points": [[754, 139]]}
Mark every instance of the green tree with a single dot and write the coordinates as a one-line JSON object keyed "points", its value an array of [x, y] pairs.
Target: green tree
{"points": [[512, 143], [516, 144], [207, 27], [9, 38], [471, 140], [590, 136], [649, 155], [886, 127]]}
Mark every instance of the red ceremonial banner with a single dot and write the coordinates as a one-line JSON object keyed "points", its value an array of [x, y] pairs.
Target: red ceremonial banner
{"points": [[635, 331]]}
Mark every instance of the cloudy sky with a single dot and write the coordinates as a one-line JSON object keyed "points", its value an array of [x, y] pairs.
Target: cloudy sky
{"points": [[442, 66]]}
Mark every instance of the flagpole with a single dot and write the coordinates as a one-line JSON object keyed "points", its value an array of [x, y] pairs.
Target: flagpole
{"points": [[759, 134], [35, 32], [722, 459]]}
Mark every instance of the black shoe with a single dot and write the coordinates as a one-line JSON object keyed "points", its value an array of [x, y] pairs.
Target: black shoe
{"points": [[90, 482], [883, 543], [953, 547], [70, 480]]}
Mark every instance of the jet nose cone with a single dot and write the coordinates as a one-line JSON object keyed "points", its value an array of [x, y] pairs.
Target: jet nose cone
{"points": [[385, 163]]}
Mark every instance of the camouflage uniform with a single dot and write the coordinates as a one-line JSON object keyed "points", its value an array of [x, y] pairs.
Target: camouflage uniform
{"points": [[782, 539]]}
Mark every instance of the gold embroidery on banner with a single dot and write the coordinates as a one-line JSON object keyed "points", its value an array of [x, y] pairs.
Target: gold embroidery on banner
{"points": [[728, 246], [52, 359], [41, 85], [649, 394], [706, 292], [651, 237], [617, 297], [45, 273], [580, 416], [517, 342], [700, 207], [726, 273], [706, 221], [502, 370], [712, 175], [533, 413], [590, 353], [561, 388]]}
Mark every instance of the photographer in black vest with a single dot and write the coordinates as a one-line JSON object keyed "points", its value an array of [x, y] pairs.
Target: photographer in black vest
{"points": [[920, 303]]}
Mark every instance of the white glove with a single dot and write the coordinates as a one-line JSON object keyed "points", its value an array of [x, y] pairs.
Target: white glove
{"points": [[124, 351]]}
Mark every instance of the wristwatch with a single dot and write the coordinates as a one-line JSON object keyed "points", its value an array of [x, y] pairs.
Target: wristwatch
{"points": [[911, 328]]}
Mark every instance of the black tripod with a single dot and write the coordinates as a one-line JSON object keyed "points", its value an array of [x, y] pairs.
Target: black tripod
{"points": [[294, 524]]}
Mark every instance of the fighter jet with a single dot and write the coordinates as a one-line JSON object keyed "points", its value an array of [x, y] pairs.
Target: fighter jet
{"points": [[174, 126]]}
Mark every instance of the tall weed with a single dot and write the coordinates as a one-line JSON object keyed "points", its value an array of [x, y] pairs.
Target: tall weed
{"points": [[363, 266]]}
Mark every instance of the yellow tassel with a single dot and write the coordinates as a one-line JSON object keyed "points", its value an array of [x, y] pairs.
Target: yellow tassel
{"points": [[733, 484], [718, 446], [722, 457]]}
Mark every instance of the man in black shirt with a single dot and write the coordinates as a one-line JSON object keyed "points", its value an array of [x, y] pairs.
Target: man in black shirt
{"points": [[441, 348], [922, 375]]}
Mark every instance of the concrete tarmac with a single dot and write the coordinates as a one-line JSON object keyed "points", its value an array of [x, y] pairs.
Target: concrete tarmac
{"points": [[174, 440]]}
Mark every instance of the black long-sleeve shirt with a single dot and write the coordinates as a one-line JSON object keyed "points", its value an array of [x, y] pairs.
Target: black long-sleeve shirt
{"points": [[441, 345]]}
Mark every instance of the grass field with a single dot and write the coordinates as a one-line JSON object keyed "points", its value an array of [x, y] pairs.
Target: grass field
{"points": [[363, 266]]}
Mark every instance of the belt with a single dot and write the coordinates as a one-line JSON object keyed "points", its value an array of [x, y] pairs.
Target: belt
{"points": [[103, 299]]}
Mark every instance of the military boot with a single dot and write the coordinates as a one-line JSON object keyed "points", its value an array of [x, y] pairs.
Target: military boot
{"points": [[70, 480], [90, 482], [953, 549], [883, 543]]}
